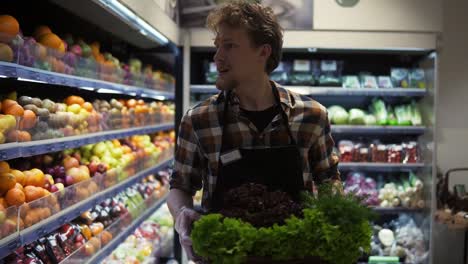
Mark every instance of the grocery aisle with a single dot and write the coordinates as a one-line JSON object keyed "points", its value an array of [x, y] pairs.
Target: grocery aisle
{"points": [[87, 137], [92, 92]]}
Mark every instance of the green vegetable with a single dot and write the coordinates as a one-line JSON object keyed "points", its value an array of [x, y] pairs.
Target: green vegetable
{"points": [[334, 227], [380, 111], [370, 120], [416, 118], [403, 115], [356, 116]]}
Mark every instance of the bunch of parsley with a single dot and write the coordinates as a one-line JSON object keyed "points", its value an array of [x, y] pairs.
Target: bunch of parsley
{"points": [[335, 228]]}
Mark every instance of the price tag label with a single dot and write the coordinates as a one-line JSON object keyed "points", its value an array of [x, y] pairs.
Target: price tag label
{"points": [[328, 65]]}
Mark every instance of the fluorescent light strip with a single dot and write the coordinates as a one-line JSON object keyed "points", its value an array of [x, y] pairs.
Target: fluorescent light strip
{"points": [[143, 27], [108, 91], [3, 76], [87, 88], [29, 80]]}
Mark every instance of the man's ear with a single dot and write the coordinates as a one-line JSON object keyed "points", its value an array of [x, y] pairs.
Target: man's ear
{"points": [[265, 51]]}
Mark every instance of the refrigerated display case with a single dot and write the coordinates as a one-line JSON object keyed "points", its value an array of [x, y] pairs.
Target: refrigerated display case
{"points": [[81, 127], [389, 161]]}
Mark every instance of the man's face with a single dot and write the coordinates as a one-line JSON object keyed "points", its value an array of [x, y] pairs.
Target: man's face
{"points": [[236, 58]]}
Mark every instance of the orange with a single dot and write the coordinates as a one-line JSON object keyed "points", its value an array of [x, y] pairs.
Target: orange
{"points": [[29, 120], [34, 178], [41, 30], [7, 181], [9, 28], [131, 103], [7, 103], [19, 176], [15, 197], [4, 167], [51, 40], [14, 110], [73, 99], [24, 136], [33, 193], [87, 106], [6, 53]]}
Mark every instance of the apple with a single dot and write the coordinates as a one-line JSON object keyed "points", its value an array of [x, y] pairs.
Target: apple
{"points": [[76, 49], [84, 169], [78, 245], [117, 152], [49, 179], [7, 122], [99, 149], [79, 238], [93, 167], [77, 156]]}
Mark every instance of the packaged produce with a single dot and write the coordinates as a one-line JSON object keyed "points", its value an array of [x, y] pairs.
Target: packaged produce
{"points": [[351, 81], [330, 72], [362, 186], [403, 115], [417, 78], [378, 152], [302, 72], [400, 77], [346, 148], [384, 82], [211, 73], [281, 73], [370, 120], [380, 111], [368, 81], [400, 238]]}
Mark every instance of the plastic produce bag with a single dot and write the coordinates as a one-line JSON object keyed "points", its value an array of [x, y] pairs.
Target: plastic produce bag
{"points": [[351, 81], [281, 73], [211, 74], [302, 72], [380, 111], [368, 81], [330, 72], [384, 82], [400, 77], [417, 78]]}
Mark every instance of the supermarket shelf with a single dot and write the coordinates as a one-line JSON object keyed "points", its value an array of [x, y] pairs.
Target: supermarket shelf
{"points": [[332, 91], [32, 148], [377, 166], [23, 73], [50, 224], [378, 130], [114, 243], [396, 210]]}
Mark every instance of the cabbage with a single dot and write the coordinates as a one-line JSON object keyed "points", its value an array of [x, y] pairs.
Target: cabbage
{"points": [[370, 120], [338, 115], [356, 117]]}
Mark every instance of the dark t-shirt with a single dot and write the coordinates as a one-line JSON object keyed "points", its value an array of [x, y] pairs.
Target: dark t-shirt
{"points": [[262, 118]]}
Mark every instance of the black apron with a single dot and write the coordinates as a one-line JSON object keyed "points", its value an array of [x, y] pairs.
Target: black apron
{"points": [[278, 167]]}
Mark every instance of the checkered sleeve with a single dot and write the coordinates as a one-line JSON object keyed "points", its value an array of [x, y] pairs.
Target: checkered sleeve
{"points": [[323, 160], [187, 173]]}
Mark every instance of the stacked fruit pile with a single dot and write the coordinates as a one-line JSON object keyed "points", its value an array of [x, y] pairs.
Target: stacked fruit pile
{"points": [[151, 235], [86, 170], [28, 118], [93, 229], [73, 56]]}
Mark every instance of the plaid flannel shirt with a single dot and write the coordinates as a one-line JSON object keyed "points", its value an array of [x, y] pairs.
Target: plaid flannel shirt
{"points": [[199, 140]]}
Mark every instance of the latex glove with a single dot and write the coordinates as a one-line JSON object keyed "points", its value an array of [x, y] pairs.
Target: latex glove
{"points": [[183, 226]]}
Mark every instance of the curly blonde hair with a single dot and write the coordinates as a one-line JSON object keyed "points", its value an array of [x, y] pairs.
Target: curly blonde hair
{"points": [[259, 21]]}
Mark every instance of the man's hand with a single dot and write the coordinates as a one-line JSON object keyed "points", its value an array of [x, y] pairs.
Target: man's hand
{"points": [[183, 226]]}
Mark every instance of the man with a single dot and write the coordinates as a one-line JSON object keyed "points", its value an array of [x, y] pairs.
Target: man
{"points": [[253, 130]]}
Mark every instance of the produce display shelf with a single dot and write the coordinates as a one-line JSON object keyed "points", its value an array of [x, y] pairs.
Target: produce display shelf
{"points": [[32, 148], [378, 166], [24, 73], [50, 224], [332, 91], [378, 130], [115, 242], [396, 210]]}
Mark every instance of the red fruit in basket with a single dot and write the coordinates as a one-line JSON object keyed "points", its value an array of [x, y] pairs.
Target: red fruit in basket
{"points": [[101, 168], [79, 239], [76, 49], [93, 167], [78, 245], [53, 188], [59, 180], [77, 156]]}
